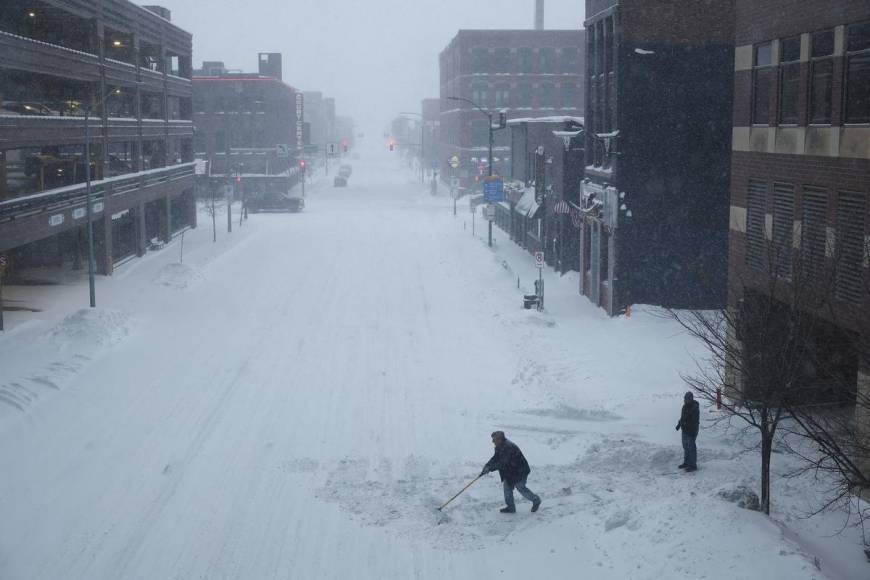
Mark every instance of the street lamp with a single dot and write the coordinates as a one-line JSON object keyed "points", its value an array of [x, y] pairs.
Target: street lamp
{"points": [[491, 130], [88, 196], [422, 133]]}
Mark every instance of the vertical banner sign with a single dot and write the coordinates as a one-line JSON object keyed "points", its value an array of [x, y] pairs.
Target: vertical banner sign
{"points": [[300, 117]]}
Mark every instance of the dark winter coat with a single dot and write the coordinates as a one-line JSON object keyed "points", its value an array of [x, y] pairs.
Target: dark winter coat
{"points": [[510, 463], [690, 418]]}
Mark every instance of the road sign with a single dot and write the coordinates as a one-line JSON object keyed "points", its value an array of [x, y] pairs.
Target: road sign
{"points": [[539, 259], [199, 167], [436, 164], [454, 162], [282, 151], [493, 189], [489, 213]]}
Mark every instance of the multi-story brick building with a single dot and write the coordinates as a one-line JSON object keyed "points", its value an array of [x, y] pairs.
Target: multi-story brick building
{"points": [[528, 73], [246, 125], [130, 67], [658, 109], [800, 176]]}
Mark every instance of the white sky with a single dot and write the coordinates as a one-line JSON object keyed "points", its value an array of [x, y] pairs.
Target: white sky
{"points": [[377, 57]]}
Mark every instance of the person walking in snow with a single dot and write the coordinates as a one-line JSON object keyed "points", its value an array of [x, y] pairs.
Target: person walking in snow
{"points": [[513, 468], [690, 422]]}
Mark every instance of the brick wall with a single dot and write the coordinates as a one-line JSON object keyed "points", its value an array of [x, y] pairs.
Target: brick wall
{"points": [[759, 20]]}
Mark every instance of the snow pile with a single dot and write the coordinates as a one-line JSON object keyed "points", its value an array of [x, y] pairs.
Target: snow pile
{"points": [[92, 328], [742, 496], [177, 276]]}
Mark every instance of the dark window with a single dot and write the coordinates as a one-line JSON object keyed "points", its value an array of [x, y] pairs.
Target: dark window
{"points": [[548, 60], [822, 77], [851, 246], [547, 96], [523, 95], [479, 94], [858, 74], [783, 228], [525, 60], [570, 96], [502, 96], [763, 77], [480, 60], [756, 212], [814, 233], [790, 81], [608, 44], [570, 60], [501, 60]]}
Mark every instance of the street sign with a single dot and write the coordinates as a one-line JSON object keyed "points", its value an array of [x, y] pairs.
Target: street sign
{"points": [[489, 213], [539, 259], [282, 151], [493, 189], [436, 164], [454, 162], [199, 167], [332, 148]]}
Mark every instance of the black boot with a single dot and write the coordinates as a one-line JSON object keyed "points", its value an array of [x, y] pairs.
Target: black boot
{"points": [[536, 504], [683, 466], [508, 510]]}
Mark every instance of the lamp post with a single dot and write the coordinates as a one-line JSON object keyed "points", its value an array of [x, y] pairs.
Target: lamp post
{"points": [[88, 196], [491, 131]]}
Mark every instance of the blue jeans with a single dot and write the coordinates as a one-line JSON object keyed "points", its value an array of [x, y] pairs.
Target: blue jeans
{"points": [[520, 487], [690, 452]]}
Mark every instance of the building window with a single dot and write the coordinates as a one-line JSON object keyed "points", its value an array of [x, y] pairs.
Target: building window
{"points": [[783, 228], [480, 60], [756, 213], [479, 94], [523, 95], [814, 233], [502, 96], [851, 247], [790, 81], [570, 96], [858, 74], [525, 60], [548, 60], [821, 77], [570, 60], [547, 96], [501, 60], [763, 75], [608, 44]]}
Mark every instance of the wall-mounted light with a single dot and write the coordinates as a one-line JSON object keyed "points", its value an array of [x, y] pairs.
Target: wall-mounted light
{"points": [[117, 43], [31, 14]]}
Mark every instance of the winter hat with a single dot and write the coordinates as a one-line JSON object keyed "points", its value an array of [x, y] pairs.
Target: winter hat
{"points": [[689, 396]]}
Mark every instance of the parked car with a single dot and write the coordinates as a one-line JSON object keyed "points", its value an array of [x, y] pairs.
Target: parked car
{"points": [[275, 202], [340, 181]]}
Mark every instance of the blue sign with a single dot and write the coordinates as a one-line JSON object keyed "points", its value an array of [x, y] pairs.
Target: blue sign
{"points": [[436, 164], [493, 189]]}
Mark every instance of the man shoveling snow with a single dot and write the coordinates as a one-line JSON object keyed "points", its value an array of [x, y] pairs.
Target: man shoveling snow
{"points": [[513, 468]]}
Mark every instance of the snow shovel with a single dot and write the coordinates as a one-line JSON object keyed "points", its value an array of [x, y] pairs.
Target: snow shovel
{"points": [[460, 492]]}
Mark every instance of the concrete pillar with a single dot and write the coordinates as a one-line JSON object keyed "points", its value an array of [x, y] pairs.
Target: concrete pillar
{"points": [[141, 231], [166, 220], [103, 250]]}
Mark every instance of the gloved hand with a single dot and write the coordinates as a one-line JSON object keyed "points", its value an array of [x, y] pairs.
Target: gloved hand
{"points": [[677, 427], [484, 471]]}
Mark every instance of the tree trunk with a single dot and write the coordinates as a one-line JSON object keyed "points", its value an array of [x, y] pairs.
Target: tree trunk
{"points": [[766, 448]]}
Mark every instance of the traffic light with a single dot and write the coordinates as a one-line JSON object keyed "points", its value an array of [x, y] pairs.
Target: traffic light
{"points": [[392, 146], [344, 146], [502, 119], [302, 165]]}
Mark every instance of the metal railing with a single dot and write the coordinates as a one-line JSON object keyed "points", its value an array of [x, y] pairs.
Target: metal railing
{"points": [[71, 195]]}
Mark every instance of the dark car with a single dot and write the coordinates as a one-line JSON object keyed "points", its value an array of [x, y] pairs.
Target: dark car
{"points": [[340, 181], [275, 202]]}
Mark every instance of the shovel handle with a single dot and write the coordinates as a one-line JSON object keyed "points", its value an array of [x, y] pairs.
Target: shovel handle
{"points": [[473, 481]]}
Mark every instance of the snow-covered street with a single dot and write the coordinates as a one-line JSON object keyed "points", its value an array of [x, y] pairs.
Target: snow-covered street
{"points": [[295, 401]]}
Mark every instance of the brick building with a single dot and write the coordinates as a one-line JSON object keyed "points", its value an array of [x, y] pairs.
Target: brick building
{"points": [[528, 73], [658, 109], [246, 126], [801, 168], [131, 67]]}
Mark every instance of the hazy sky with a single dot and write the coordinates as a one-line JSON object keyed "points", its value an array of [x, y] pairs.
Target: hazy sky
{"points": [[376, 57]]}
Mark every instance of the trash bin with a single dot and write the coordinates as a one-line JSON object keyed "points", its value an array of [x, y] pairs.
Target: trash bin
{"points": [[529, 300]]}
